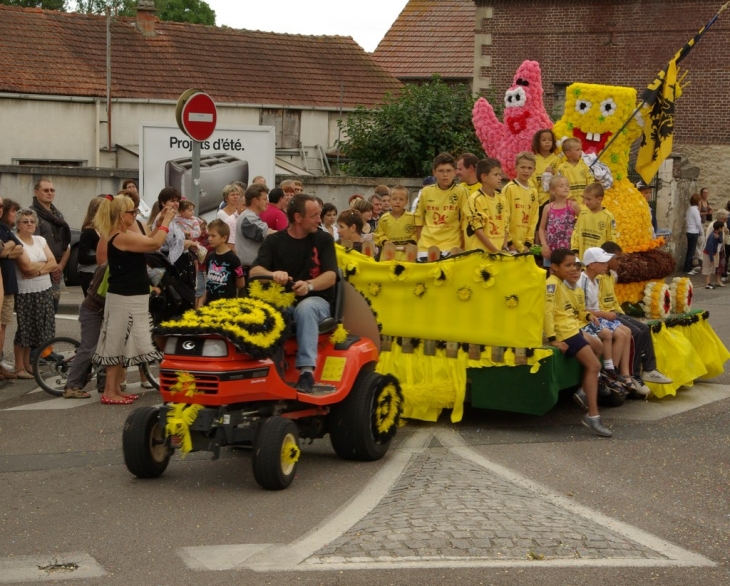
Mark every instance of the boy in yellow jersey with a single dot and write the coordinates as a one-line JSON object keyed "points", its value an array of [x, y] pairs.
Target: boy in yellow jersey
{"points": [[521, 198], [594, 225], [440, 210], [466, 171], [397, 225], [575, 169], [644, 355], [488, 211], [562, 326]]}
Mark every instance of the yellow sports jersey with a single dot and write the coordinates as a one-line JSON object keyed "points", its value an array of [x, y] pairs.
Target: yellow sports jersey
{"points": [[523, 212], [607, 300], [563, 318], [471, 188], [396, 230], [577, 298], [592, 229], [491, 214], [542, 163], [579, 176], [439, 214]]}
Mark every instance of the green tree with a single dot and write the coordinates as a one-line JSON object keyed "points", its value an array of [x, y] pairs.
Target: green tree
{"points": [[401, 137], [44, 4], [194, 11]]}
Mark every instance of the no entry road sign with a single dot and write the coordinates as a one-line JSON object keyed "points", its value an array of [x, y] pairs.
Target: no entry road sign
{"points": [[196, 114]]}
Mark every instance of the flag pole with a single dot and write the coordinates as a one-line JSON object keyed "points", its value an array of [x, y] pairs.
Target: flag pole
{"points": [[641, 105]]}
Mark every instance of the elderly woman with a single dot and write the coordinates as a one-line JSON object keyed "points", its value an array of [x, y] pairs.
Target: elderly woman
{"points": [[231, 196], [126, 337], [34, 300]]}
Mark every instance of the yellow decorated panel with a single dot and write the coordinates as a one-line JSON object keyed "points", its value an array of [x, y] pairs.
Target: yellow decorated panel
{"points": [[475, 298]]}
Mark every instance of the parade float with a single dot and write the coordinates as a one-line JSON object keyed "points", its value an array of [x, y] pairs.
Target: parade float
{"points": [[468, 329]]}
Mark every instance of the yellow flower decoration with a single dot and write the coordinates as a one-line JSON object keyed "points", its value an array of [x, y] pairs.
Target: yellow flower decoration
{"points": [[388, 408], [419, 290], [657, 301], [485, 274], [290, 453], [441, 274], [512, 301], [464, 293], [682, 292], [374, 289]]}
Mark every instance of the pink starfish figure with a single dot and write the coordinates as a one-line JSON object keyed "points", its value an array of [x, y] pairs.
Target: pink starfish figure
{"points": [[524, 115]]}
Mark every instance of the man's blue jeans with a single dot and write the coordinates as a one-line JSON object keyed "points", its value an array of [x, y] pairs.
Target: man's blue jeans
{"points": [[307, 315]]}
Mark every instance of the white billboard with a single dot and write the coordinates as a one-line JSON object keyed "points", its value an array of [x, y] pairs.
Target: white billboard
{"points": [[232, 153]]}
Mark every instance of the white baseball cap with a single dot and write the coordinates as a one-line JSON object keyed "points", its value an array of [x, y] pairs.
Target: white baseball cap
{"points": [[596, 254]]}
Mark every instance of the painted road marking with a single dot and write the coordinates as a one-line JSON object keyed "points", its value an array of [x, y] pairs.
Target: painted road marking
{"points": [[17, 569], [59, 403]]}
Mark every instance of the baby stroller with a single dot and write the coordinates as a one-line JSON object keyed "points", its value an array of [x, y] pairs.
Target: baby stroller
{"points": [[176, 295]]}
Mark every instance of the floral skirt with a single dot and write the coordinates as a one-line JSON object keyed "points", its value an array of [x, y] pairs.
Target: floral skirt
{"points": [[126, 332], [36, 319]]}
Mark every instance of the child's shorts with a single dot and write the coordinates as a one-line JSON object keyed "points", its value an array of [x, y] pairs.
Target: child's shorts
{"points": [[709, 266], [592, 329], [575, 344], [200, 284], [610, 324]]}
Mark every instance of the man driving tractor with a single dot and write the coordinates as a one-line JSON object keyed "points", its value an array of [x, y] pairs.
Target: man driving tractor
{"points": [[304, 256]]}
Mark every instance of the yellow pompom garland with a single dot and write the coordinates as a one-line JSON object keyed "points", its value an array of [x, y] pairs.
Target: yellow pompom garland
{"points": [[253, 326], [181, 415]]}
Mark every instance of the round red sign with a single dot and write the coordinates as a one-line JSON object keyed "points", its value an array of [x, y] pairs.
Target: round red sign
{"points": [[198, 116]]}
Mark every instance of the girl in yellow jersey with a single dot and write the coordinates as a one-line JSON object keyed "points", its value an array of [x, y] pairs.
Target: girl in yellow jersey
{"points": [[547, 160]]}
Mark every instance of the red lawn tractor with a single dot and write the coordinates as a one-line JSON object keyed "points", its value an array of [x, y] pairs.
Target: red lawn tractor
{"points": [[218, 392]]}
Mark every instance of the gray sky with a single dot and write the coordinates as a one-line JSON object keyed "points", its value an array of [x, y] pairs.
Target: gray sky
{"points": [[365, 21]]}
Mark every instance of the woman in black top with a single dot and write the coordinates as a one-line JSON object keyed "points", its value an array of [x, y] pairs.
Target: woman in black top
{"points": [[126, 333], [88, 242]]}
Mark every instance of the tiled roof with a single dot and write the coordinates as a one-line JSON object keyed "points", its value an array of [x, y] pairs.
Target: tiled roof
{"points": [[430, 36], [56, 53]]}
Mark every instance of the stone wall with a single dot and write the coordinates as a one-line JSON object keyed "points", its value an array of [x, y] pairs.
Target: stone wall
{"points": [[677, 181]]}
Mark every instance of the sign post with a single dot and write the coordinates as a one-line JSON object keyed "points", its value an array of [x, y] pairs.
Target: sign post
{"points": [[196, 116]]}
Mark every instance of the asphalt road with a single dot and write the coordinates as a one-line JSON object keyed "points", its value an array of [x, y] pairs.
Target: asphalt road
{"points": [[496, 499]]}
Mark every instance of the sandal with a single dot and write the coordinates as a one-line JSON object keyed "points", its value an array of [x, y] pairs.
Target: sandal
{"points": [[24, 374], [107, 401], [133, 397], [75, 394]]}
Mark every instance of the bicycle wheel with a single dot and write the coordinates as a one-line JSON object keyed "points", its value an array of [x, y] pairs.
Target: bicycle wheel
{"points": [[52, 363], [152, 372]]}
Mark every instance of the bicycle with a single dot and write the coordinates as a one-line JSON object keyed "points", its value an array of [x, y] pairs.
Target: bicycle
{"points": [[52, 363]]}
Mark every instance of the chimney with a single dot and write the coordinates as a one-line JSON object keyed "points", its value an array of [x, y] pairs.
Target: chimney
{"points": [[146, 17]]}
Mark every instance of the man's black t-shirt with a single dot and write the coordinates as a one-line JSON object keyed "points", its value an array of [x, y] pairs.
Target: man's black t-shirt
{"points": [[222, 270], [303, 258]]}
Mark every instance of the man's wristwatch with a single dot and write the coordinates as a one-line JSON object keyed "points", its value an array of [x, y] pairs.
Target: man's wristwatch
{"points": [[311, 287]]}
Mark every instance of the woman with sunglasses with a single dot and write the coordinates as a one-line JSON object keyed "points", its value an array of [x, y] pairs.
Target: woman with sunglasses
{"points": [[126, 337], [34, 300]]}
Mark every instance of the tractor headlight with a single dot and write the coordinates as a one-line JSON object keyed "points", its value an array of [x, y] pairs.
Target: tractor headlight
{"points": [[215, 348]]}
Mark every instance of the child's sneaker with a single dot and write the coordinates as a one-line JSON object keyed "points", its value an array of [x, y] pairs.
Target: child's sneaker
{"points": [[580, 399], [594, 423]]}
